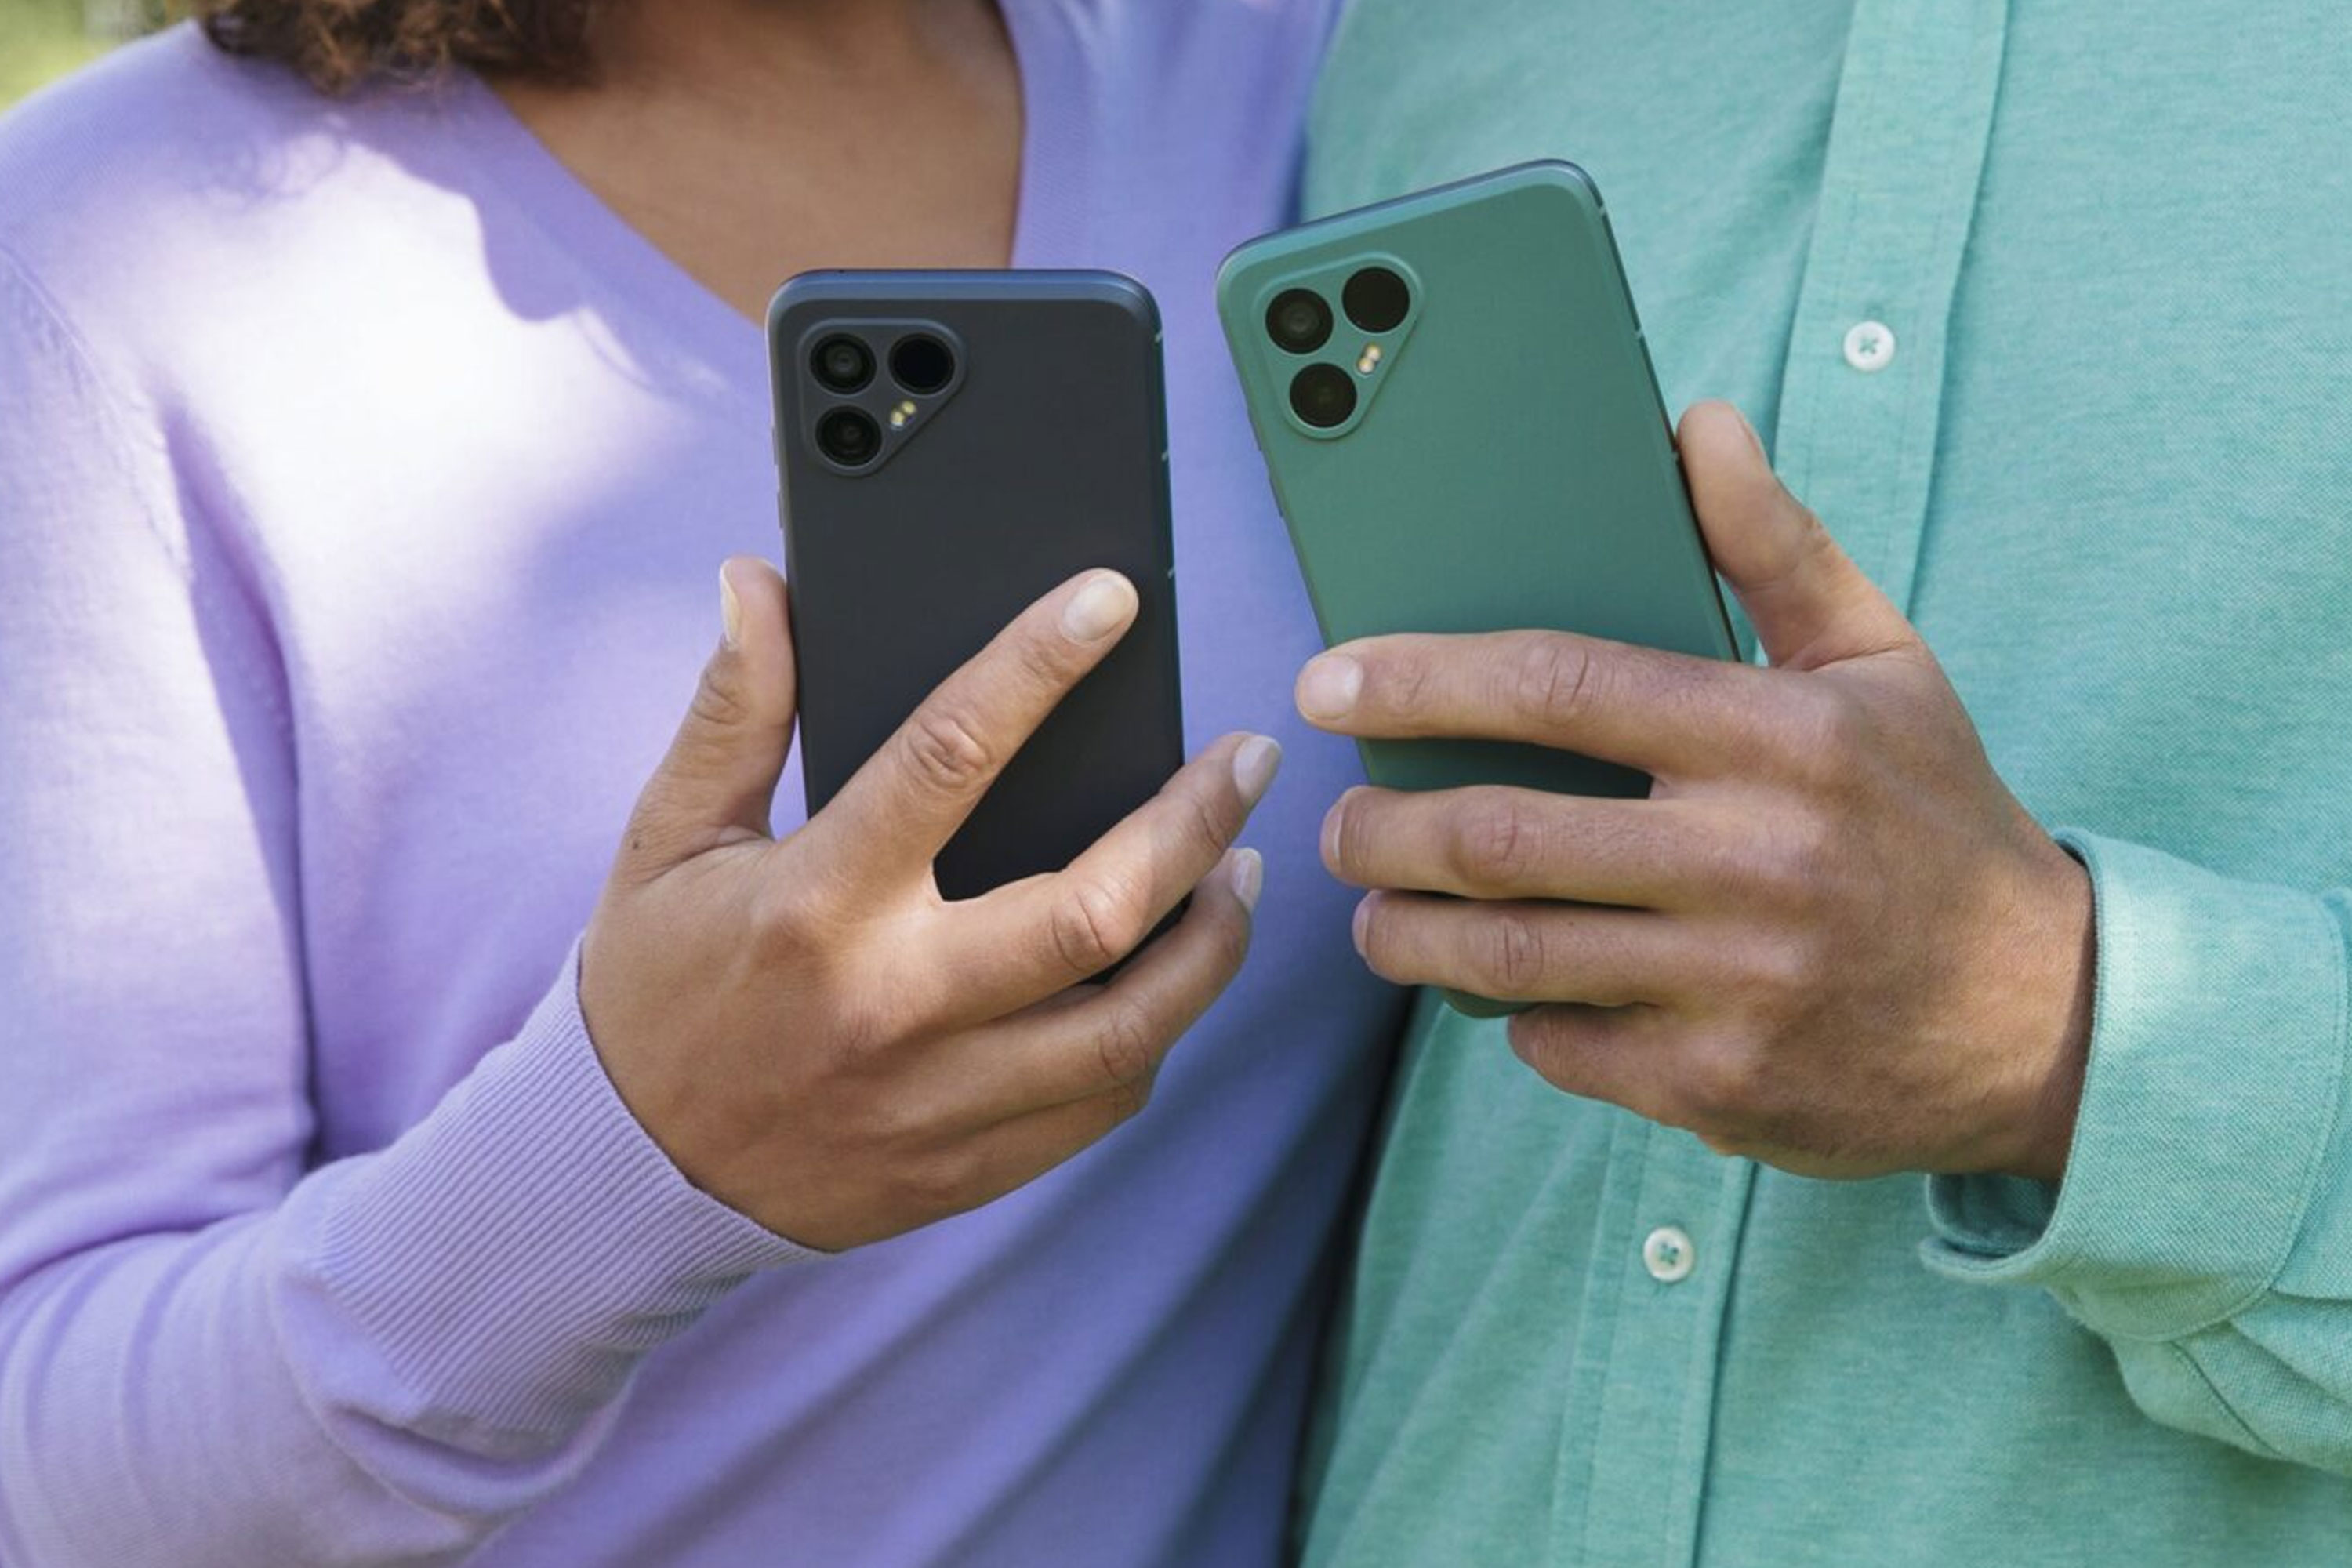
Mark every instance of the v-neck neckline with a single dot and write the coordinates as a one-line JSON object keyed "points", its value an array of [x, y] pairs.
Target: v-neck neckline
{"points": [[1048, 225]]}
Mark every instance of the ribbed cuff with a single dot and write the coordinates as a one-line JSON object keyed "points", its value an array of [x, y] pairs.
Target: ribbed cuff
{"points": [[513, 1255], [2217, 1061]]}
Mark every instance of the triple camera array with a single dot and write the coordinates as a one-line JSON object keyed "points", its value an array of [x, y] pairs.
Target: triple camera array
{"points": [[919, 363], [1376, 301]]}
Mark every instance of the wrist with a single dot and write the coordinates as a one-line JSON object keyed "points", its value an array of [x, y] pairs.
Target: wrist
{"points": [[2057, 986]]}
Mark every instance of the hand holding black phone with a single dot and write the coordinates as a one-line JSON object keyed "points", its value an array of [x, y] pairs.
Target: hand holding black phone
{"points": [[904, 1007]]}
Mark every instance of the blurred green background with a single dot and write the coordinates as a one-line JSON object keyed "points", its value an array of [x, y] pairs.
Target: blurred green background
{"points": [[41, 39]]}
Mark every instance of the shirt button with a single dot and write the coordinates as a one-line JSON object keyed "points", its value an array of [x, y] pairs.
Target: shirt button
{"points": [[1869, 345], [1668, 1255]]}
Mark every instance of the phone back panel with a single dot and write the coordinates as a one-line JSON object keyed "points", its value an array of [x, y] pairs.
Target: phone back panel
{"points": [[1510, 464], [1046, 454]]}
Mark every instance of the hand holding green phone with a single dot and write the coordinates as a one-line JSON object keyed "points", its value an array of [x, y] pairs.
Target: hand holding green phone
{"points": [[1462, 425]]}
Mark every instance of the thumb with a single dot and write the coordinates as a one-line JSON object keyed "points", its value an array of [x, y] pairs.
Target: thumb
{"points": [[1810, 604], [715, 784]]}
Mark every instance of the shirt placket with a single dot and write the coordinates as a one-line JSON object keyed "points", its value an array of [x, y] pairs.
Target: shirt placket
{"points": [[1642, 1385], [1861, 399], [1862, 393]]}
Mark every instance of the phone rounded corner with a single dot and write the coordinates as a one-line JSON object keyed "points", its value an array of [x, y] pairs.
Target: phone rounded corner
{"points": [[1126, 294], [794, 292], [1234, 273], [1570, 179]]}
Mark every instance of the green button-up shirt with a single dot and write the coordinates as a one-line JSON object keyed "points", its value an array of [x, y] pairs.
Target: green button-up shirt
{"points": [[2046, 307]]}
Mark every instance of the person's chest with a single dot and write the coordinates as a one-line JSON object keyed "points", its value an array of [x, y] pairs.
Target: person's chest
{"points": [[485, 507], [2094, 443], [492, 601]]}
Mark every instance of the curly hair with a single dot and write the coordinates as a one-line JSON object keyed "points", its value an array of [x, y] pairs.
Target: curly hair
{"points": [[337, 44]]}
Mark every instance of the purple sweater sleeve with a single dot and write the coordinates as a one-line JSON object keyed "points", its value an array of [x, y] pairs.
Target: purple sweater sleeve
{"points": [[208, 1353]]}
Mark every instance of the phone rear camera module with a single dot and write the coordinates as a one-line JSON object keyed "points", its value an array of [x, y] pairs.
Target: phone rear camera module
{"points": [[1323, 396], [1376, 299], [842, 363], [921, 363], [1298, 321], [849, 436]]}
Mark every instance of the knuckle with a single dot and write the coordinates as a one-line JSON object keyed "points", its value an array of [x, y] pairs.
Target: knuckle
{"points": [[1097, 924], [1846, 723], [1812, 534], [782, 922], [1553, 680], [892, 1122], [720, 700], [1533, 1041], [1735, 870], [871, 1023], [941, 1180], [861, 1032], [1403, 684], [942, 749], [1809, 854], [1498, 844], [1510, 959], [1045, 661], [1722, 1086], [1220, 957], [1207, 822], [1127, 1046], [1832, 729], [1808, 541], [1349, 831], [1548, 1047], [1792, 860], [1784, 974], [650, 844]]}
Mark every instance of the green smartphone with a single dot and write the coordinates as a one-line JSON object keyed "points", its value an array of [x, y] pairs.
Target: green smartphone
{"points": [[1465, 434]]}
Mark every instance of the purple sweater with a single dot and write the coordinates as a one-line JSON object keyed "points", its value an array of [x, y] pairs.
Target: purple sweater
{"points": [[361, 484]]}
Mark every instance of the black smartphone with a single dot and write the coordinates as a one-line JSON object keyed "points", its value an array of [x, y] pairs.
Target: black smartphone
{"points": [[950, 446]]}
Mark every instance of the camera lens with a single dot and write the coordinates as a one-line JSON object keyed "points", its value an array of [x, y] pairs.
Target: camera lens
{"points": [[921, 363], [1298, 321], [849, 438], [1323, 396], [842, 363], [1376, 299]]}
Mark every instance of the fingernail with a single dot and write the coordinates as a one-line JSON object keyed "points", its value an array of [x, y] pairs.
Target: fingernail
{"points": [[730, 611], [1099, 608], [1363, 917], [1255, 762], [1328, 687], [1753, 439], [1331, 819], [1249, 877]]}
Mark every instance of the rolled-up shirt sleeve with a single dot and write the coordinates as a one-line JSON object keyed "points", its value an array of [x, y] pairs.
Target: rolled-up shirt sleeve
{"points": [[2203, 1227]]}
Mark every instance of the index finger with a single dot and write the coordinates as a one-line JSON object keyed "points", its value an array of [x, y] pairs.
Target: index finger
{"points": [[1662, 712], [899, 809]]}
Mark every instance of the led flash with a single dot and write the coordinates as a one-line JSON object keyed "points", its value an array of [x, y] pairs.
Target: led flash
{"points": [[900, 414], [1370, 360]]}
